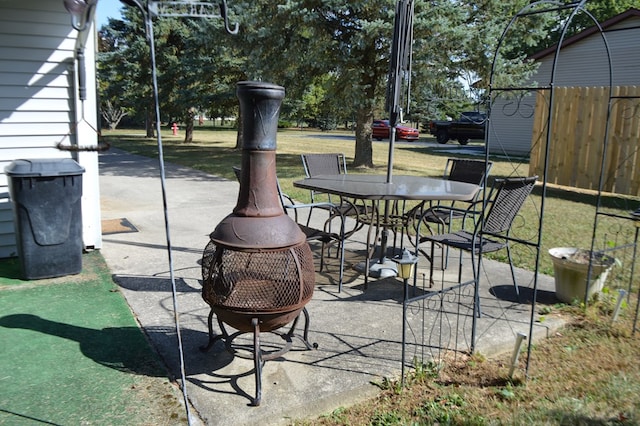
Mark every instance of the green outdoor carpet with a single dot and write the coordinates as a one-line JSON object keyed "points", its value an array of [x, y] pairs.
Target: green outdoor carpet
{"points": [[71, 353]]}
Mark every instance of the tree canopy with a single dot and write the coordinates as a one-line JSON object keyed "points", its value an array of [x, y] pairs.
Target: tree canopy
{"points": [[332, 57]]}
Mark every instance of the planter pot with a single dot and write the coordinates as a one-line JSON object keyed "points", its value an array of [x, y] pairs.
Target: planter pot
{"points": [[570, 269]]}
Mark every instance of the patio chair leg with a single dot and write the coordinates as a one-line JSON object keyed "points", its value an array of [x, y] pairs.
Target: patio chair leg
{"points": [[310, 213], [433, 244], [369, 251], [445, 251], [460, 266], [513, 274], [322, 257], [341, 254], [366, 260], [476, 283]]}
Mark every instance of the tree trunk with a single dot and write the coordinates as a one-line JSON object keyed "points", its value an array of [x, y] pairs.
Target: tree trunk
{"points": [[188, 131], [149, 124], [239, 124], [188, 125], [364, 152]]}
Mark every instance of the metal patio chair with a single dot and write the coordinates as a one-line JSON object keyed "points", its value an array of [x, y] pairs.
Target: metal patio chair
{"points": [[460, 170], [323, 164], [442, 215], [317, 164], [491, 231], [325, 236]]}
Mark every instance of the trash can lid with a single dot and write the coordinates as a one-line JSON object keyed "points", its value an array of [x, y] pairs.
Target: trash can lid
{"points": [[44, 167]]}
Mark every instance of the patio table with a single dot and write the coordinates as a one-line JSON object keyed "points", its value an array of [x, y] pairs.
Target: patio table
{"points": [[375, 188]]}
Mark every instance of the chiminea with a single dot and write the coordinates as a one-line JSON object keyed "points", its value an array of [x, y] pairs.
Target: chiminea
{"points": [[257, 270]]}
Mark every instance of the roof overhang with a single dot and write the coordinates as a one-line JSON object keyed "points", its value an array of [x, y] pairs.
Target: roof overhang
{"points": [[587, 33]]}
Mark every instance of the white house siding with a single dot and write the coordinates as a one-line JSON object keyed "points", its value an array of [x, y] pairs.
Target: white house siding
{"points": [[38, 103], [510, 125], [583, 63]]}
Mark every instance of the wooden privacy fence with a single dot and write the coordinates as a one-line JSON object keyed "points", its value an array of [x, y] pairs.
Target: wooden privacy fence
{"points": [[578, 128]]}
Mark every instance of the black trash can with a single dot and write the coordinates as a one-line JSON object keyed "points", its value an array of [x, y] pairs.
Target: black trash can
{"points": [[46, 194]]}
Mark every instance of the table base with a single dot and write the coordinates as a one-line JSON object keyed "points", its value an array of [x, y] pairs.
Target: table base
{"points": [[379, 269]]}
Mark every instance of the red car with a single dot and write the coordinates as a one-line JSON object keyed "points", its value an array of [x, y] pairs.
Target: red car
{"points": [[381, 131]]}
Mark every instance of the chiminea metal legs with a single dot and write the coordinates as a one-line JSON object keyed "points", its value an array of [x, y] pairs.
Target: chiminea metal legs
{"points": [[258, 355]]}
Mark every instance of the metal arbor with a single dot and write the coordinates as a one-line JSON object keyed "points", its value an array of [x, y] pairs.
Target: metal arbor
{"points": [[453, 330], [606, 236]]}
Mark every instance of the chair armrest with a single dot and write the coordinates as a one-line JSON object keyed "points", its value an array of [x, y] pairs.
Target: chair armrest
{"points": [[310, 205], [289, 203]]}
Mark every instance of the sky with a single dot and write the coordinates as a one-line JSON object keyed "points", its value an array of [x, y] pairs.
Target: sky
{"points": [[107, 9]]}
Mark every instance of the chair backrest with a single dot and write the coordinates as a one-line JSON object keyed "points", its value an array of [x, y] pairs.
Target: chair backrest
{"points": [[506, 199], [467, 170], [324, 164]]}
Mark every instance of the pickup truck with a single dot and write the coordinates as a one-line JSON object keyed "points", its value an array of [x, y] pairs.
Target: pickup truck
{"points": [[469, 126]]}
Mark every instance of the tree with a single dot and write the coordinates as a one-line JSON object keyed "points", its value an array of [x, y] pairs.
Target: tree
{"points": [[601, 10], [347, 41], [350, 42], [332, 57], [112, 114], [124, 67], [210, 67], [195, 66]]}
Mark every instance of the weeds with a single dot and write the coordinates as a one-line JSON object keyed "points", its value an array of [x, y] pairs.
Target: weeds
{"points": [[424, 371]]}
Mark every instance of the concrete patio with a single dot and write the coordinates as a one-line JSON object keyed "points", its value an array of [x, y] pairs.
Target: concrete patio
{"points": [[358, 333]]}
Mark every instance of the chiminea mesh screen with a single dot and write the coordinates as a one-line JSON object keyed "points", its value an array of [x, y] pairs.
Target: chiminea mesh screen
{"points": [[257, 281]]}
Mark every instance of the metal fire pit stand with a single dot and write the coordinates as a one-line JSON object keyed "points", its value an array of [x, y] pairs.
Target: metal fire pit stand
{"points": [[259, 356]]}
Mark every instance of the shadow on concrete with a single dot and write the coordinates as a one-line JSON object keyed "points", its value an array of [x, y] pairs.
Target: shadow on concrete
{"points": [[507, 293], [154, 284]]}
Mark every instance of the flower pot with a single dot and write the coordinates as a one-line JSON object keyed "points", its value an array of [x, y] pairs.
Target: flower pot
{"points": [[570, 269]]}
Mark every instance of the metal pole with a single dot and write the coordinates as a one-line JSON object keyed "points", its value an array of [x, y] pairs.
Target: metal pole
{"points": [[404, 325], [616, 311], [402, 30], [516, 353], [154, 79]]}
